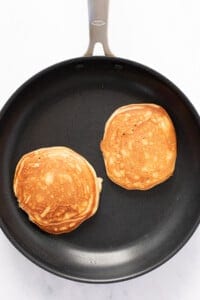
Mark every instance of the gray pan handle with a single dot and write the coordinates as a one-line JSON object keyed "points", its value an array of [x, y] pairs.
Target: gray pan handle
{"points": [[98, 25]]}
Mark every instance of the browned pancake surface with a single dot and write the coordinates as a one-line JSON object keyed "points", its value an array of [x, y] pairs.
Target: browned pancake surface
{"points": [[57, 188], [139, 146]]}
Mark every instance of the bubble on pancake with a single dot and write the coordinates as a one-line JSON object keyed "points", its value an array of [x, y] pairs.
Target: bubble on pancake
{"points": [[49, 178]]}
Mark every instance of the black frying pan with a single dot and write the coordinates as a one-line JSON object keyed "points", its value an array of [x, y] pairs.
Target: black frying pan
{"points": [[68, 104]]}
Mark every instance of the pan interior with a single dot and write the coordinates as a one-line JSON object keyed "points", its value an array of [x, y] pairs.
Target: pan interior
{"points": [[133, 231]]}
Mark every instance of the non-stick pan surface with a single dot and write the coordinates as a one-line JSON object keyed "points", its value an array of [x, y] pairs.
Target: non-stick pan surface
{"points": [[133, 231]]}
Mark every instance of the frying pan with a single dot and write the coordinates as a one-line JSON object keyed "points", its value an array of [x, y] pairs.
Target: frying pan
{"points": [[67, 104]]}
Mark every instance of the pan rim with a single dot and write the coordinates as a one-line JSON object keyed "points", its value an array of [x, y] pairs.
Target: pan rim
{"points": [[40, 264], [78, 60], [190, 107]]}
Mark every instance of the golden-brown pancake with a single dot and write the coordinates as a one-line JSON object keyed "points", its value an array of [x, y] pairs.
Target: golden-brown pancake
{"points": [[57, 188], [139, 146]]}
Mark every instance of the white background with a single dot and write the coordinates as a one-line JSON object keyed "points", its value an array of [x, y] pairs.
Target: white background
{"points": [[164, 35]]}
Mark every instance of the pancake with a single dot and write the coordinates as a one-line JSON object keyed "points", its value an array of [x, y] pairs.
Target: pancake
{"points": [[57, 188], [139, 146]]}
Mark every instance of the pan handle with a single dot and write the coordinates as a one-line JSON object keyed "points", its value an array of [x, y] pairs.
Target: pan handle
{"points": [[98, 24]]}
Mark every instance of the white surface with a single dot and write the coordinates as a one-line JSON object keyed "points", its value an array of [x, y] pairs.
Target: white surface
{"points": [[164, 35]]}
